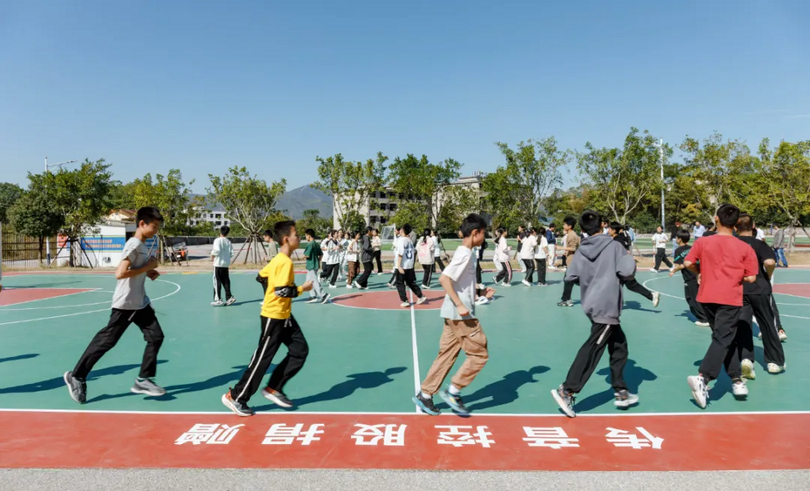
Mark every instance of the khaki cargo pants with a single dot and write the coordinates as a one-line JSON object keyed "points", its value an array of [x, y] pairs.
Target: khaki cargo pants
{"points": [[458, 335]]}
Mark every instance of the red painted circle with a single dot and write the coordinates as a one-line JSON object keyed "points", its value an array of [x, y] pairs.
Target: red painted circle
{"points": [[387, 300]]}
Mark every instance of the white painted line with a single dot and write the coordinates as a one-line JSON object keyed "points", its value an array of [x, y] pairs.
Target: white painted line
{"points": [[417, 381], [361, 413], [89, 311]]}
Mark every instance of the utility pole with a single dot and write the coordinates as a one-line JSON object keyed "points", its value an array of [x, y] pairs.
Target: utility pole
{"points": [[48, 239], [661, 157]]}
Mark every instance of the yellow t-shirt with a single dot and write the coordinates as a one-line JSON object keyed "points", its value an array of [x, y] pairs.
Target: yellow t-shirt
{"points": [[281, 287]]}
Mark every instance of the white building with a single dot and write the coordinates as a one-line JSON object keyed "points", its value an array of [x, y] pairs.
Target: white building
{"points": [[215, 215]]}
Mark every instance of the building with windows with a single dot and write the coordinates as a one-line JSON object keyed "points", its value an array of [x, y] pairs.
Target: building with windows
{"points": [[207, 213]]}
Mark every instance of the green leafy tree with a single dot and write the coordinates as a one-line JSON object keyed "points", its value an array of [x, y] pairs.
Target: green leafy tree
{"points": [[416, 183], [79, 196], [33, 216], [9, 194], [170, 194], [122, 196], [457, 201], [785, 180], [313, 219], [506, 198], [622, 178], [352, 185], [249, 202]]}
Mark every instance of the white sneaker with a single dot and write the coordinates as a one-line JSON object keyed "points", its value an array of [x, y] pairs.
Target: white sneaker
{"points": [[653, 270], [332, 286], [405, 304], [425, 287], [701, 324], [699, 390], [356, 285], [482, 301], [379, 274], [782, 335], [349, 286], [217, 303], [671, 270], [656, 298], [739, 389], [479, 286], [421, 300], [759, 335], [506, 284], [774, 368], [526, 283], [748, 370]]}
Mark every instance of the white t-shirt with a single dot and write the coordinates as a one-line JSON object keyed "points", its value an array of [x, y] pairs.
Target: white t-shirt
{"points": [[332, 252], [222, 252], [405, 249], [462, 271], [130, 293], [527, 247], [437, 252], [540, 252], [660, 240], [761, 234]]}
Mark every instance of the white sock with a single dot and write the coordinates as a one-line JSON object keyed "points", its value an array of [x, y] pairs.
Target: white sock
{"points": [[454, 390], [426, 396]]}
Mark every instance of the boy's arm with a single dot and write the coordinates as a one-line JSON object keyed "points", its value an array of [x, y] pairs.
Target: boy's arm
{"points": [[626, 265], [572, 273], [447, 284], [123, 270]]}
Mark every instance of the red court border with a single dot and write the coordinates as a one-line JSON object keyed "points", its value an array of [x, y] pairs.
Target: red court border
{"points": [[16, 296], [387, 300]]}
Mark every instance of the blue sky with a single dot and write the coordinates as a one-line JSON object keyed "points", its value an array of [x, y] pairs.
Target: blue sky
{"points": [[201, 86]]}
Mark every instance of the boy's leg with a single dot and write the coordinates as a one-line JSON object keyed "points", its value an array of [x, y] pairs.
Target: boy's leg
{"points": [[541, 271], [617, 349], [335, 271], [440, 263], [103, 342], [659, 253], [473, 341], [410, 279], [507, 266], [529, 267], [297, 352], [147, 321], [634, 286], [312, 275], [690, 290], [269, 341], [745, 348], [776, 319], [587, 358], [723, 320], [378, 258], [363, 280], [667, 261], [478, 272], [217, 285], [761, 307], [401, 287], [449, 348], [226, 282], [568, 288]]}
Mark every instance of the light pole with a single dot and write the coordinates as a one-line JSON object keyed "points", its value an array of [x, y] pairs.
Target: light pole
{"points": [[660, 146], [48, 239]]}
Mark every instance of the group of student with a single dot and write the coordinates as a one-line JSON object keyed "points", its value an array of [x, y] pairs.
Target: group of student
{"points": [[733, 276]]}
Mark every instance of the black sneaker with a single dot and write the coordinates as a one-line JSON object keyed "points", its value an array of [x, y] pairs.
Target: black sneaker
{"points": [[277, 397], [454, 401], [325, 297], [565, 400], [237, 407], [425, 404], [148, 387], [76, 387]]}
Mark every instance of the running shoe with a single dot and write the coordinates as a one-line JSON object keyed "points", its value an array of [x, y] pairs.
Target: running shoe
{"points": [[278, 398], [357, 285], [504, 284], [624, 399], [217, 303], [148, 387], [565, 303], [699, 390], [702, 323], [405, 304], [77, 388], [748, 370], [774, 368], [653, 270], [421, 300], [335, 286], [425, 404], [454, 401], [237, 407], [526, 283], [231, 301], [656, 298], [739, 389], [325, 297], [349, 286], [565, 400], [425, 287], [313, 300], [782, 335], [542, 284], [482, 301]]}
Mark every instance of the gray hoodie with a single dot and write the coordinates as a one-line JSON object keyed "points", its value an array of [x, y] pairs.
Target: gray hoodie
{"points": [[600, 264], [367, 250]]}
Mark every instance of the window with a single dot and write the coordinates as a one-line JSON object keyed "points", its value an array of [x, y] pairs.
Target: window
{"points": [[217, 223]]}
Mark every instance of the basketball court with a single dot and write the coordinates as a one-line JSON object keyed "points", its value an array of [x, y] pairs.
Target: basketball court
{"points": [[367, 358]]}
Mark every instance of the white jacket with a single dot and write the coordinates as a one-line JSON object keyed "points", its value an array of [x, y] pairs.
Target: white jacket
{"points": [[222, 252]]}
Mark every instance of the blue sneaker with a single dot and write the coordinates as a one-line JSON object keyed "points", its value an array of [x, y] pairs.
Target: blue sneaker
{"points": [[454, 401], [425, 404]]}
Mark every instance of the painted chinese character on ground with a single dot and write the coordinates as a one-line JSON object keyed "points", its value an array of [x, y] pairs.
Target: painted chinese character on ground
{"points": [[621, 438], [212, 434], [458, 436], [554, 437], [390, 434], [281, 434]]}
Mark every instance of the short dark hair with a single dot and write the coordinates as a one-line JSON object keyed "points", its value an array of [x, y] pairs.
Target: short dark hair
{"points": [[745, 223], [268, 233], [369, 229], [552, 226], [148, 214], [616, 226], [590, 222], [541, 231], [570, 221], [283, 229], [407, 229], [224, 230], [472, 222], [309, 232], [728, 215], [683, 235]]}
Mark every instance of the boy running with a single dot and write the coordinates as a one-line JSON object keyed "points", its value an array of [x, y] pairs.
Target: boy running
{"points": [[660, 243], [723, 263], [616, 230], [528, 245], [278, 327], [313, 255], [404, 263], [570, 245], [129, 304], [221, 255], [366, 257], [690, 281], [462, 331], [601, 265]]}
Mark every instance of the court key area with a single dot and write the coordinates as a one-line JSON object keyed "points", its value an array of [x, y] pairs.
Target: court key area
{"points": [[367, 358]]}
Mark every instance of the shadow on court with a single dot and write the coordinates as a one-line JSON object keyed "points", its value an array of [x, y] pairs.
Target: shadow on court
{"points": [[502, 392], [634, 376], [634, 305], [366, 380], [59, 382], [19, 357]]}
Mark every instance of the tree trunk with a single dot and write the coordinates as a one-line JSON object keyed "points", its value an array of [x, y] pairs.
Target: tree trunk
{"points": [[39, 250]]}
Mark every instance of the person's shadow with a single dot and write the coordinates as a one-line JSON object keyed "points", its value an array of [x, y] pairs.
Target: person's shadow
{"points": [[633, 305], [502, 392], [19, 357], [58, 382], [634, 376], [357, 381]]}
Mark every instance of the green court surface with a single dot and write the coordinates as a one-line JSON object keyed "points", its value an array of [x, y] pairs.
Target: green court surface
{"points": [[368, 360]]}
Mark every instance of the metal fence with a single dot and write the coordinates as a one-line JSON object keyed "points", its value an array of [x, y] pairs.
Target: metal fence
{"points": [[22, 252]]}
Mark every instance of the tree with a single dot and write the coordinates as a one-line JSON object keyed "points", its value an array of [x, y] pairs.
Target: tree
{"points": [[79, 196], [122, 196], [621, 179], [9, 194], [457, 201], [416, 183], [506, 198], [248, 201], [169, 194], [312, 219], [33, 216], [786, 180], [351, 184]]}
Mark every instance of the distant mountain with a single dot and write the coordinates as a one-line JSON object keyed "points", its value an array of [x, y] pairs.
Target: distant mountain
{"points": [[305, 198]]}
